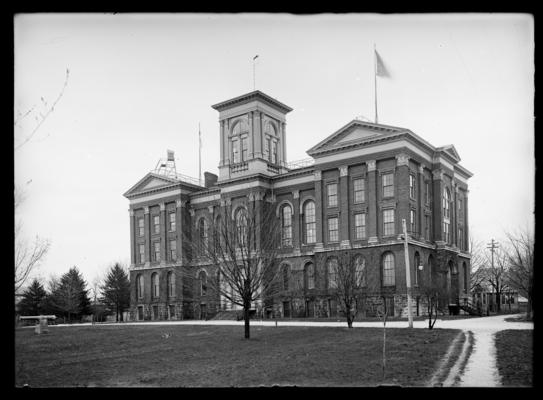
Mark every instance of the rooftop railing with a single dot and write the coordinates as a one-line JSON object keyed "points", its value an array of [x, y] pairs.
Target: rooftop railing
{"points": [[306, 162]]}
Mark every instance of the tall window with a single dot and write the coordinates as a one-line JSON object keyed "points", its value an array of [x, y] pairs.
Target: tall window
{"points": [[359, 190], [446, 232], [202, 279], [360, 226], [244, 148], [332, 273], [333, 233], [446, 203], [332, 194], [412, 219], [155, 284], [171, 219], [235, 150], [461, 238], [388, 222], [273, 158], [141, 253], [141, 229], [267, 147], [360, 271], [173, 250], [412, 186], [416, 264], [156, 253], [388, 185], [241, 226], [285, 277], [202, 234], [309, 222], [286, 225], [427, 227], [388, 270], [156, 224], [171, 284], [310, 275], [427, 192], [139, 286]]}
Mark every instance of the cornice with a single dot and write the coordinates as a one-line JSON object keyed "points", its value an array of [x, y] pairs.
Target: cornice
{"points": [[245, 98]]}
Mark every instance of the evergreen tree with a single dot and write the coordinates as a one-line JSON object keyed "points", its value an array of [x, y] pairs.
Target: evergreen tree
{"points": [[116, 290], [71, 297], [33, 299]]}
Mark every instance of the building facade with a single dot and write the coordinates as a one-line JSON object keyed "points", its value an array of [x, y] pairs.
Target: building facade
{"points": [[350, 196]]}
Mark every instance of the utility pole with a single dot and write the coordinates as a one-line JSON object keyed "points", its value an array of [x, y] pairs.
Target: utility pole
{"points": [[407, 275], [492, 246]]}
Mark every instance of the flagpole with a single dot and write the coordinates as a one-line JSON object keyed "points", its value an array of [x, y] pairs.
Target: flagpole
{"points": [[254, 72], [375, 78], [199, 155]]}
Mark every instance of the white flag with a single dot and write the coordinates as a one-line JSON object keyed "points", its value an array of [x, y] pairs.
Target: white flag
{"points": [[380, 69]]}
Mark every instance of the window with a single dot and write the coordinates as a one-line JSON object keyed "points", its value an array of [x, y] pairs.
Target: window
{"points": [[156, 224], [388, 270], [332, 273], [241, 226], [202, 278], [388, 185], [412, 186], [332, 194], [139, 287], [310, 275], [461, 238], [427, 192], [360, 226], [274, 152], [267, 147], [412, 219], [235, 150], [171, 218], [359, 190], [360, 271], [333, 229], [427, 227], [173, 250], [446, 203], [446, 232], [460, 205], [388, 222], [141, 253], [244, 148], [309, 222], [155, 283], [285, 277], [202, 234], [286, 225], [141, 229], [171, 284], [416, 263], [157, 251]]}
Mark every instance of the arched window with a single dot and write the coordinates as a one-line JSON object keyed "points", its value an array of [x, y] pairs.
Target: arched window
{"points": [[239, 141], [202, 279], [241, 226], [389, 278], [446, 215], [310, 276], [240, 127], [286, 277], [202, 234], [360, 271], [171, 284], [155, 284], [332, 273], [270, 129], [416, 264], [310, 231], [286, 225], [139, 286]]}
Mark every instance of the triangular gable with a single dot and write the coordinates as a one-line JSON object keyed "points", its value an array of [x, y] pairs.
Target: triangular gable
{"points": [[150, 181], [451, 151], [355, 131]]}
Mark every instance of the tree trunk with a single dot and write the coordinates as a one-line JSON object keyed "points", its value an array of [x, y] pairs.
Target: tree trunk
{"points": [[246, 320], [349, 320]]}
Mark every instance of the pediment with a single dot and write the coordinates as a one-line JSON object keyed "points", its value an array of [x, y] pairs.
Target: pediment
{"points": [[354, 132], [150, 181], [451, 151]]}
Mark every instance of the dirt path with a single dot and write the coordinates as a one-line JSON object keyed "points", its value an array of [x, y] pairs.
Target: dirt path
{"points": [[482, 369]]}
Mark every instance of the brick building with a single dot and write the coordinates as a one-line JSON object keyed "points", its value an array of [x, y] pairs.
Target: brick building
{"points": [[351, 196]]}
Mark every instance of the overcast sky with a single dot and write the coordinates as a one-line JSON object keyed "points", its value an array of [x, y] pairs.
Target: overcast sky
{"points": [[140, 84]]}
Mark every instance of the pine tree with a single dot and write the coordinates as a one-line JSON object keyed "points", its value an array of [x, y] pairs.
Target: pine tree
{"points": [[71, 296], [116, 290], [33, 299]]}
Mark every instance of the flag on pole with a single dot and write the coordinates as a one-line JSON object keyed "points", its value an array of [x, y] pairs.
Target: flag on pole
{"points": [[170, 155], [380, 69], [255, 57]]}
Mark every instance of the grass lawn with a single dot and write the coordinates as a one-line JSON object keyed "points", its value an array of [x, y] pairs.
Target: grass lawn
{"points": [[117, 355], [515, 357]]}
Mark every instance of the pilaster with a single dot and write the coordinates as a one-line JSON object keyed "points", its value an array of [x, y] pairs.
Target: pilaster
{"points": [[437, 209], [147, 226], [373, 187], [296, 221], [420, 203], [318, 210], [163, 234], [344, 201], [132, 238]]}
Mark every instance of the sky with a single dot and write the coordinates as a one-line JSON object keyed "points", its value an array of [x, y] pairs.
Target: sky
{"points": [[139, 84]]}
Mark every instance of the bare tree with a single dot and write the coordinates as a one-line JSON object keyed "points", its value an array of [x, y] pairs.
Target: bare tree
{"points": [[433, 288], [477, 251], [244, 249], [495, 274], [28, 255], [520, 275]]}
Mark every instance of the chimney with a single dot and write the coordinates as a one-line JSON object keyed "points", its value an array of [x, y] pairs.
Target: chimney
{"points": [[210, 179]]}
